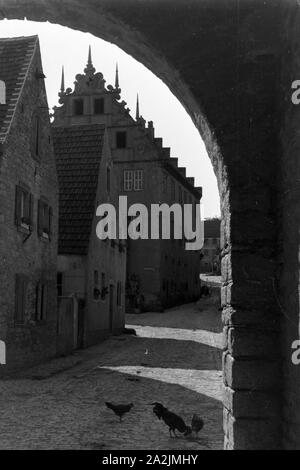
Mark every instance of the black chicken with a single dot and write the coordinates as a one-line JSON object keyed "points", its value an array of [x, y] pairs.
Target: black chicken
{"points": [[119, 410], [172, 420], [197, 424]]}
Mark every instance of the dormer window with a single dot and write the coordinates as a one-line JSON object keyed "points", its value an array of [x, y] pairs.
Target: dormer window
{"points": [[99, 106], [78, 107]]}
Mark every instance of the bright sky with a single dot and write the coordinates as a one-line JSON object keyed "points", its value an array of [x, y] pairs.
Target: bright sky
{"points": [[64, 46]]}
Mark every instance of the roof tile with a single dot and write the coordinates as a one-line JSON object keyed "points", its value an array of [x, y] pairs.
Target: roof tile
{"points": [[15, 57], [78, 153]]}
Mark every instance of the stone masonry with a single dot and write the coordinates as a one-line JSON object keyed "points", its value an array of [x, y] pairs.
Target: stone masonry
{"points": [[231, 65], [24, 251]]}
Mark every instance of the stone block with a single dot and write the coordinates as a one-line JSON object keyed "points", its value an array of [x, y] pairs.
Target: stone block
{"points": [[250, 374]]}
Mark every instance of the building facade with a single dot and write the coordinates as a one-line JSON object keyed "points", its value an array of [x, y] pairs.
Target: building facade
{"points": [[211, 261], [91, 272], [160, 273], [28, 209]]}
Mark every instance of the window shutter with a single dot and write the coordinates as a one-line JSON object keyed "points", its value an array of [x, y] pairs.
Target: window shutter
{"points": [[50, 222], [108, 180], [34, 134], [18, 205], [40, 218], [38, 137], [31, 202], [45, 300], [20, 297], [38, 301]]}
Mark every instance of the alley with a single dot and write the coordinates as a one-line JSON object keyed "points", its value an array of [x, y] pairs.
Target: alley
{"points": [[175, 359]]}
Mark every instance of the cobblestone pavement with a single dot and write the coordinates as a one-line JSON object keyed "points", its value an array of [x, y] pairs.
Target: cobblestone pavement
{"points": [[174, 359]]}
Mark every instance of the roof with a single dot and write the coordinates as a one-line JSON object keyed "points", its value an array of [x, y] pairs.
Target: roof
{"points": [[78, 153], [212, 228], [15, 58]]}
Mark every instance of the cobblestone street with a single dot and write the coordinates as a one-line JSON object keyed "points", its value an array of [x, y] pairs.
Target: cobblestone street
{"points": [[175, 359]]}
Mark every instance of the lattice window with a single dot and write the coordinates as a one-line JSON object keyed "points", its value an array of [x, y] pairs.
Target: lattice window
{"points": [[128, 180], [138, 180]]}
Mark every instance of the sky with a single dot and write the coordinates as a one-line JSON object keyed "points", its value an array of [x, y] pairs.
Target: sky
{"points": [[63, 46]]}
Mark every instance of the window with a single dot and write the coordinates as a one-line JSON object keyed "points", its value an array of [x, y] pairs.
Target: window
{"points": [[96, 291], [119, 293], [99, 106], [45, 216], [36, 134], [128, 180], [121, 140], [78, 107], [59, 284], [138, 180], [133, 180], [41, 301], [108, 179], [104, 288], [20, 297], [23, 208]]}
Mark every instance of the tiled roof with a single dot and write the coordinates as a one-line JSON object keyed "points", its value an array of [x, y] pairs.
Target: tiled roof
{"points": [[15, 58], [212, 228], [78, 153]]}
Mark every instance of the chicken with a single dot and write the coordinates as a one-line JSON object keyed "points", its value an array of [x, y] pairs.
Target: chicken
{"points": [[197, 424], [173, 421], [119, 410]]}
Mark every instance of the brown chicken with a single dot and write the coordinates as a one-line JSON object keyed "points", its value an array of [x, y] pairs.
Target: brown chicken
{"points": [[173, 421], [197, 424], [119, 410]]}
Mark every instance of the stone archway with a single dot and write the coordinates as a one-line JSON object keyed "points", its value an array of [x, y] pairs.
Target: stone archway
{"points": [[224, 65]]}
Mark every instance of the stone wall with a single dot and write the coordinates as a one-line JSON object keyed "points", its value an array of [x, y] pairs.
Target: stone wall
{"points": [[223, 61], [289, 255], [32, 341]]}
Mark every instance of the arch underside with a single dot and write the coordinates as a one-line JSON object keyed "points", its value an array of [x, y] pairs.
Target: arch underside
{"points": [[225, 66]]}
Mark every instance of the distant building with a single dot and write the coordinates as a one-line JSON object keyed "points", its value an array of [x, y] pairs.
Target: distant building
{"points": [[210, 262], [28, 209], [91, 272], [160, 273]]}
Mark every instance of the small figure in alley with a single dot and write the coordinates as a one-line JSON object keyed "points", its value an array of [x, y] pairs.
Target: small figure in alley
{"points": [[205, 291]]}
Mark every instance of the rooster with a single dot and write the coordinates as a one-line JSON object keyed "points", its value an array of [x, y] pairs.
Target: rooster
{"points": [[197, 424], [173, 421], [119, 410]]}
